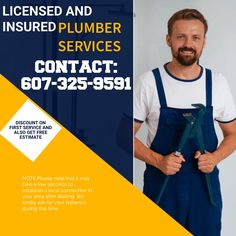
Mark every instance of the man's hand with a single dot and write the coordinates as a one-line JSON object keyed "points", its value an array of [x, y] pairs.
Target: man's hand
{"points": [[171, 164], [206, 162]]}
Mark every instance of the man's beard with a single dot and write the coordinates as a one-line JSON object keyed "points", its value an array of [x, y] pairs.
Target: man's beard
{"points": [[186, 60]]}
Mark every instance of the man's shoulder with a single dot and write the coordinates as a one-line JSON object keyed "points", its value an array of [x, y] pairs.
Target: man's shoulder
{"points": [[217, 77], [219, 82], [147, 77]]}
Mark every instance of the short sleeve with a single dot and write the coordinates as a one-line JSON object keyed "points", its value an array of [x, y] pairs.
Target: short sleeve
{"points": [[225, 107], [140, 101]]}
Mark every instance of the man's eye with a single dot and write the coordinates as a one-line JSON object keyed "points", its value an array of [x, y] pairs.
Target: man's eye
{"points": [[180, 36], [196, 38]]}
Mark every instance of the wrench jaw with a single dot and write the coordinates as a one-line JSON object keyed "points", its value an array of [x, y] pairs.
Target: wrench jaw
{"points": [[199, 118], [195, 121]]}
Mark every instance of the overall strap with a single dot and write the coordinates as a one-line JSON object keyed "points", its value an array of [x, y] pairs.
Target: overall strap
{"points": [[160, 89], [208, 88]]}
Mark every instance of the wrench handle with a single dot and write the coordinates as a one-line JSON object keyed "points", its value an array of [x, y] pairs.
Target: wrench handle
{"points": [[207, 176]]}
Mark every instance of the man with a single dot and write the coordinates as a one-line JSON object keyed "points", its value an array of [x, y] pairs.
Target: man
{"points": [[162, 98]]}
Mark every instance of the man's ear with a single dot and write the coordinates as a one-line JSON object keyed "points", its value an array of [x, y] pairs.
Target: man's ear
{"points": [[168, 40]]}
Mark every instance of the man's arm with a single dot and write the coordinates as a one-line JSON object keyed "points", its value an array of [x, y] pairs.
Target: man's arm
{"points": [[144, 153], [169, 164], [208, 161]]}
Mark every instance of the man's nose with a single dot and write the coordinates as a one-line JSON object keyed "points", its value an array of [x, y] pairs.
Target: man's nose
{"points": [[188, 42]]}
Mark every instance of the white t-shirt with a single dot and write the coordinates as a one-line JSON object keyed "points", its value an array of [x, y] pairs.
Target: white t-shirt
{"points": [[180, 94]]}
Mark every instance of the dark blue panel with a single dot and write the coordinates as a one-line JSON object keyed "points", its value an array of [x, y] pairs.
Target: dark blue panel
{"points": [[95, 117]]}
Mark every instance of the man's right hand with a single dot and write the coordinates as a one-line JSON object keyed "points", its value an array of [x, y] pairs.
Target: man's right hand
{"points": [[170, 164]]}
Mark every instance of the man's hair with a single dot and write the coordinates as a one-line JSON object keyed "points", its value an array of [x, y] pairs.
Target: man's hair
{"points": [[186, 14]]}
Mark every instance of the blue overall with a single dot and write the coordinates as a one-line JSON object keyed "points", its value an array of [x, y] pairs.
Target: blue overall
{"points": [[186, 197]]}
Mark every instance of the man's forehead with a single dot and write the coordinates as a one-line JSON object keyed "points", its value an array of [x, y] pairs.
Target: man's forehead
{"points": [[188, 25]]}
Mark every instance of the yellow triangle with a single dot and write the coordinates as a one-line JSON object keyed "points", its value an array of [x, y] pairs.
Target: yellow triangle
{"points": [[77, 192]]}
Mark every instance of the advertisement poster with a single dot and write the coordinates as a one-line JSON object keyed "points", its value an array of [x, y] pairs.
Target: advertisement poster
{"points": [[68, 72]]}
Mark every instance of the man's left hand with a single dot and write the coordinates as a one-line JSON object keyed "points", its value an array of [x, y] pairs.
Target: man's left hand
{"points": [[206, 162]]}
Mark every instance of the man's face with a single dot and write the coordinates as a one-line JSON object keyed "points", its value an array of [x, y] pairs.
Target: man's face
{"points": [[187, 41]]}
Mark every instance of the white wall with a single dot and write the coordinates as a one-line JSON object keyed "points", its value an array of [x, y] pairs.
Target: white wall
{"points": [[219, 55]]}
